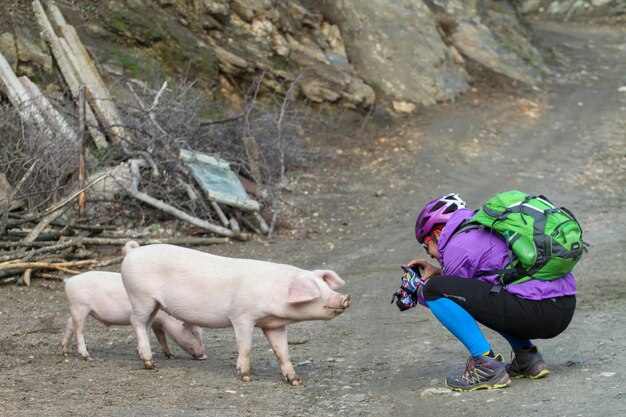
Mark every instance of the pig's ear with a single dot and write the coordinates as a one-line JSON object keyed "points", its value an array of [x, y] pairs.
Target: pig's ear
{"points": [[330, 278], [302, 290], [189, 326]]}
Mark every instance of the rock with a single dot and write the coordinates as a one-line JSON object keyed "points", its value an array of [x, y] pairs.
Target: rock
{"points": [[380, 35], [30, 51], [229, 62], [493, 37], [431, 392], [118, 180], [530, 6], [403, 106], [345, 52]]}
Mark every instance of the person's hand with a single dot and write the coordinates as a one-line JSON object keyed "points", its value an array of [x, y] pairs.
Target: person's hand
{"points": [[428, 269]]}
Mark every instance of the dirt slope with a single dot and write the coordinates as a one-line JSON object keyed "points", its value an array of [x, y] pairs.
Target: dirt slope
{"points": [[566, 141]]}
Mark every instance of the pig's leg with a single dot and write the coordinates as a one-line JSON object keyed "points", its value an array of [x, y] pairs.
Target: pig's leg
{"points": [[80, 315], [243, 335], [69, 332], [141, 319], [278, 341], [162, 338]]}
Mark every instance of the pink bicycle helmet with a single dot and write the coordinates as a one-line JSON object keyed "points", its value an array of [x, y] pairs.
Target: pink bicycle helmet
{"points": [[436, 212]]}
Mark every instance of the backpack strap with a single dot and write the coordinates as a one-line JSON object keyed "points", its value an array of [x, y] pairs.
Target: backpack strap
{"points": [[507, 275]]}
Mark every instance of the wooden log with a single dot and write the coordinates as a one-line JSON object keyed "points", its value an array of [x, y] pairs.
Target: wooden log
{"points": [[8, 280], [100, 98], [52, 235], [60, 266], [22, 253], [262, 224], [234, 225], [26, 277], [270, 232], [179, 214], [220, 213], [82, 171], [121, 241], [67, 70], [249, 225], [47, 275], [89, 227], [17, 94], [51, 116]]}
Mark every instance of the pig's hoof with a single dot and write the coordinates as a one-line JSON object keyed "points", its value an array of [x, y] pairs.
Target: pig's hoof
{"points": [[66, 354], [295, 381], [169, 356], [245, 378], [87, 358], [148, 364]]}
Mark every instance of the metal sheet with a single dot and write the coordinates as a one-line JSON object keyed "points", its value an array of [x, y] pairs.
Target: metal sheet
{"points": [[219, 181]]}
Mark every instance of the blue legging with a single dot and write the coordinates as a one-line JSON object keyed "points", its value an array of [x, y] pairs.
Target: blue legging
{"points": [[463, 326]]}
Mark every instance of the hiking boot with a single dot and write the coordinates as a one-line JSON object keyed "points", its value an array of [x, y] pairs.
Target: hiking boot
{"points": [[481, 372], [527, 362]]}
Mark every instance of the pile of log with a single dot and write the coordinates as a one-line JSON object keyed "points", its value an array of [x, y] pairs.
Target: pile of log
{"points": [[37, 243], [67, 249]]}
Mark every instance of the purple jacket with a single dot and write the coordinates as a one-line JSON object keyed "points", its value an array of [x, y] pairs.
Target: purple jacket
{"points": [[475, 250]]}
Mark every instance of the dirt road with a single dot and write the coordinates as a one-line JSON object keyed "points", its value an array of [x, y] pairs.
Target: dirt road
{"points": [[566, 140]]}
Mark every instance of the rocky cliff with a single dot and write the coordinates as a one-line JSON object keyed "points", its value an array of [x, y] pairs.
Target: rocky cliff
{"points": [[345, 53]]}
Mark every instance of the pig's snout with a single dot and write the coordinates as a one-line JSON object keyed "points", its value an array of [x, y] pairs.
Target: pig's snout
{"points": [[340, 305], [345, 301]]}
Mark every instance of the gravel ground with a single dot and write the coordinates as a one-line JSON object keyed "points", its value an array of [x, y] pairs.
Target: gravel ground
{"points": [[357, 209]]}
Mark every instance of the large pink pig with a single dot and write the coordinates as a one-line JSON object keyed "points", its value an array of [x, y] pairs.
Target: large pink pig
{"points": [[216, 292], [102, 295]]}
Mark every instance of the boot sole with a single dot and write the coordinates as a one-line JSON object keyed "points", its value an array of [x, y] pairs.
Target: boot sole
{"points": [[541, 374]]}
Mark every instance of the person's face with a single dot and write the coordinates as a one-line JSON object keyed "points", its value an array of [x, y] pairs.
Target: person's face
{"points": [[430, 244]]}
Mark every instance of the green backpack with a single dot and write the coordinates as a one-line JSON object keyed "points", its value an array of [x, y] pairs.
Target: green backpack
{"points": [[546, 240]]}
